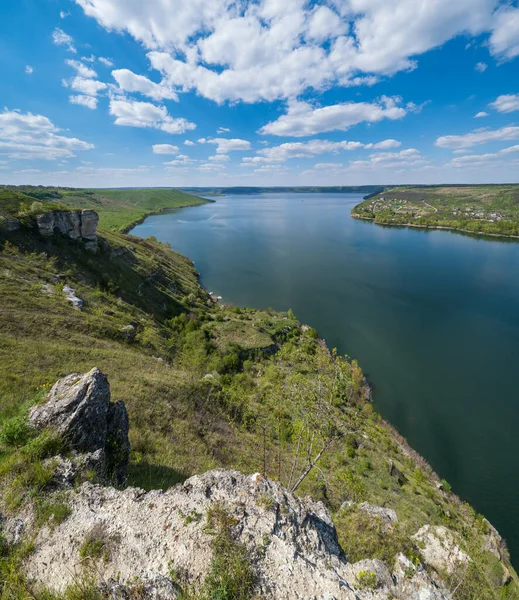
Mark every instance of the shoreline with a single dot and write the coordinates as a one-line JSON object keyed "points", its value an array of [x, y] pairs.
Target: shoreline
{"points": [[127, 228], [440, 227]]}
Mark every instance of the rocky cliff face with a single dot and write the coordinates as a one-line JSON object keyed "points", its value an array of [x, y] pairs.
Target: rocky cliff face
{"points": [[158, 543], [76, 224]]}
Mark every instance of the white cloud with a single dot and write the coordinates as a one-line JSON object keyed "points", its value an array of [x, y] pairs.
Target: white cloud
{"points": [[144, 114], [165, 149], [180, 161], [60, 38], [409, 158], [219, 158], [384, 145], [269, 49], [506, 104], [290, 150], [504, 41], [30, 136], [302, 119], [480, 115], [478, 137], [88, 101], [29, 70], [105, 61], [226, 145], [223, 130], [82, 70], [481, 67], [475, 160], [63, 14], [131, 82], [328, 166], [189, 143], [88, 87]]}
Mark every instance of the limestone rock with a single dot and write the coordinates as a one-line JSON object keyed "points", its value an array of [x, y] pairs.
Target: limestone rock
{"points": [[10, 223], [440, 549], [75, 224], [291, 542], [152, 587], [11, 530], [413, 582], [70, 295], [79, 410], [380, 512]]}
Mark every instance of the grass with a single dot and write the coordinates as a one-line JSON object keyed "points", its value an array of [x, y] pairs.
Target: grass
{"points": [[484, 209], [214, 399]]}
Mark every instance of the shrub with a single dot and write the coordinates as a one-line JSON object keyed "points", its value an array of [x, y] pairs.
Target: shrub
{"points": [[15, 432], [367, 580]]}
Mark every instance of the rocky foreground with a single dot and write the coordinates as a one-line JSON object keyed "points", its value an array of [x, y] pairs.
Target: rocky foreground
{"points": [[159, 543]]}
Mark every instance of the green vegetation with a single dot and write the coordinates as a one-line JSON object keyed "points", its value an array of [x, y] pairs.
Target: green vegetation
{"points": [[206, 385], [483, 209], [118, 209]]}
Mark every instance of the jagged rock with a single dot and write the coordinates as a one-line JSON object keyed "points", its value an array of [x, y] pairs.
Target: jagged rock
{"points": [[79, 410], [70, 295], [381, 512], [494, 543], [291, 542], [75, 224], [11, 530], [413, 582], [439, 548]]}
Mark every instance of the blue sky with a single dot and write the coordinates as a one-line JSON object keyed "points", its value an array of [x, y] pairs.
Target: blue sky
{"points": [[258, 92]]}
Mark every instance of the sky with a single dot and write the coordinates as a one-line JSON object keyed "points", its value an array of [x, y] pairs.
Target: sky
{"points": [[108, 93]]}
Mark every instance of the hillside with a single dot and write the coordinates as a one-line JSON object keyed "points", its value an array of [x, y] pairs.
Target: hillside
{"points": [[484, 209], [210, 386], [118, 209]]}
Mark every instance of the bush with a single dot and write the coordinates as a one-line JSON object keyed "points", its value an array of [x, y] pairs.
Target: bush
{"points": [[15, 432]]}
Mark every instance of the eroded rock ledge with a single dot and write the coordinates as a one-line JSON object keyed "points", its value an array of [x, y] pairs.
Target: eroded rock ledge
{"points": [[75, 224]]}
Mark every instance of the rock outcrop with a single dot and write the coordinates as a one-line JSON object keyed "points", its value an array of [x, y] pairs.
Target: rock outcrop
{"points": [[291, 542], [440, 549], [75, 224], [79, 410]]}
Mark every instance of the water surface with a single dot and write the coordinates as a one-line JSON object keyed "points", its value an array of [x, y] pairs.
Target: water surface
{"points": [[432, 317]]}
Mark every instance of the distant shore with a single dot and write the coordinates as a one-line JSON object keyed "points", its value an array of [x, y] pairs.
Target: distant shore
{"points": [[480, 233]]}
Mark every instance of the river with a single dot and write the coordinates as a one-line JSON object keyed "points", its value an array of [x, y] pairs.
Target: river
{"points": [[431, 316]]}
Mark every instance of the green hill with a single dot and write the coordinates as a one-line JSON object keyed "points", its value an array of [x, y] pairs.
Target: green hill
{"points": [[483, 209]]}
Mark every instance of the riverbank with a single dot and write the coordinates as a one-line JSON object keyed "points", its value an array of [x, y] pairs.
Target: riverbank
{"points": [[468, 231]]}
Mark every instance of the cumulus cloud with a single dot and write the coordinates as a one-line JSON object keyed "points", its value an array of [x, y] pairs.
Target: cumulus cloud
{"points": [[88, 101], [226, 145], [481, 67], [189, 143], [106, 61], [60, 38], [131, 82], [165, 149], [29, 70], [89, 87], [302, 119], [30, 136], [478, 137], [405, 159], [504, 41], [131, 113], [219, 158], [479, 160], [480, 115], [268, 50], [82, 70], [223, 130], [506, 104]]}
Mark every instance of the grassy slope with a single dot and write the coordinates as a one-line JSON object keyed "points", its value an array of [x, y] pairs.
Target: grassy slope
{"points": [[485, 209], [118, 209], [250, 413]]}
